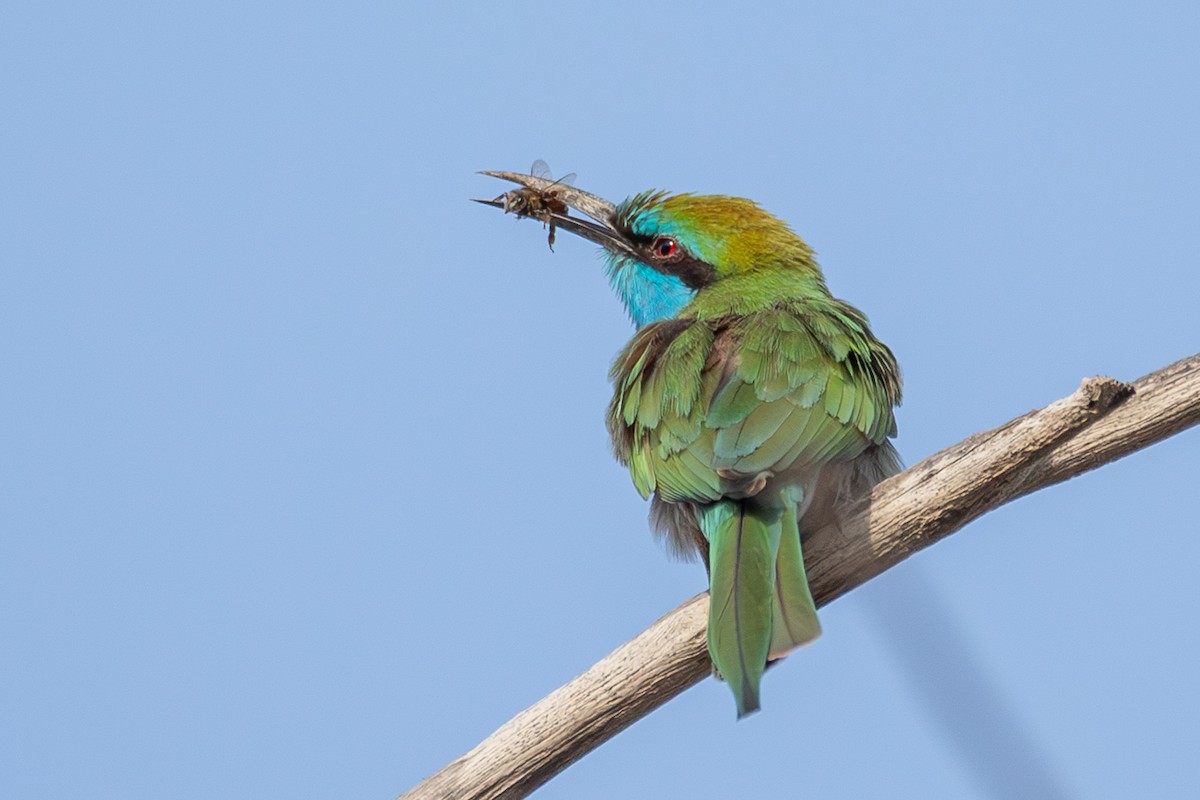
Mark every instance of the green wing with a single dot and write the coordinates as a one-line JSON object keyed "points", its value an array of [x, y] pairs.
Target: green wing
{"points": [[703, 406]]}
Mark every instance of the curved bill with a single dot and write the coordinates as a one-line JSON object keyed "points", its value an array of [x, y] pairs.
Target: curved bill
{"points": [[602, 230]]}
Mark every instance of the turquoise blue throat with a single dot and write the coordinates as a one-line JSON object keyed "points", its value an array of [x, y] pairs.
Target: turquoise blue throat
{"points": [[648, 294]]}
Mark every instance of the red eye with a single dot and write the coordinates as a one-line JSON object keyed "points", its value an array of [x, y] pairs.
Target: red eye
{"points": [[665, 247]]}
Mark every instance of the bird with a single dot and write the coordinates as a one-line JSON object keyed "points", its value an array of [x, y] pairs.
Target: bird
{"points": [[751, 406]]}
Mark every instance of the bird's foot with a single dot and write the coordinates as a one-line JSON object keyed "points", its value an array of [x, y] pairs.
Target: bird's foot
{"points": [[743, 484]]}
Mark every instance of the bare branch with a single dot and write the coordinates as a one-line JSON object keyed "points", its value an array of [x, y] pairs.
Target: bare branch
{"points": [[1101, 422]]}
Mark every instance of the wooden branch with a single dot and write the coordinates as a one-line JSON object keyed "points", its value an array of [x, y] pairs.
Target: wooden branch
{"points": [[1099, 423]]}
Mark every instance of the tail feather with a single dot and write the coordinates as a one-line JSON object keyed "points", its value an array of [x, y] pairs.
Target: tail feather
{"points": [[793, 614], [743, 543]]}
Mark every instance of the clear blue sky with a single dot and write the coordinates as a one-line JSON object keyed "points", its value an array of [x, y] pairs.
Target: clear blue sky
{"points": [[304, 483]]}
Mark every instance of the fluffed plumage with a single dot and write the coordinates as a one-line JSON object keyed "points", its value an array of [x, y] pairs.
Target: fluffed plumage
{"points": [[733, 410]]}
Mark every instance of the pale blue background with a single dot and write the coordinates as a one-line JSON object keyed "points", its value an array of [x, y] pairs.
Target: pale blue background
{"points": [[304, 485]]}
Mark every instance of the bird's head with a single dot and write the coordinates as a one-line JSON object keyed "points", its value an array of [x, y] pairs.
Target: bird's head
{"points": [[663, 250]]}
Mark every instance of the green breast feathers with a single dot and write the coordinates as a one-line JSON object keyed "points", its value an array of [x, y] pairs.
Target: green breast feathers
{"points": [[705, 409]]}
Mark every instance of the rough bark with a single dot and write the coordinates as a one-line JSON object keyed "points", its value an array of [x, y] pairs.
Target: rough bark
{"points": [[1101, 422]]}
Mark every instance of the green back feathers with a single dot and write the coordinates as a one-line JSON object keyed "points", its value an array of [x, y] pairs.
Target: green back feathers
{"points": [[801, 381]]}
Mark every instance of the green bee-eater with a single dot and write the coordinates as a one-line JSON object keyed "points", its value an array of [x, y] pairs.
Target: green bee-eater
{"points": [[751, 404]]}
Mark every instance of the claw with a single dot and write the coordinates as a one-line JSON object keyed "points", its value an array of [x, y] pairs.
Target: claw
{"points": [[744, 485]]}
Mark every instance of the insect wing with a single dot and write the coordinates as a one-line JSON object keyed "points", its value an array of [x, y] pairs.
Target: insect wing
{"points": [[540, 169]]}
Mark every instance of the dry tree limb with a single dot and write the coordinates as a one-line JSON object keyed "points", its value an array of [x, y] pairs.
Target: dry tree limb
{"points": [[1101, 422]]}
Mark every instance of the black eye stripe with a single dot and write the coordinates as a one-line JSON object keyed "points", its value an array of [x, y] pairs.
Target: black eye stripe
{"points": [[694, 273]]}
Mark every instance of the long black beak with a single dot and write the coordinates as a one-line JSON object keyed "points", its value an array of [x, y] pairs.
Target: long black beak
{"points": [[601, 228]]}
